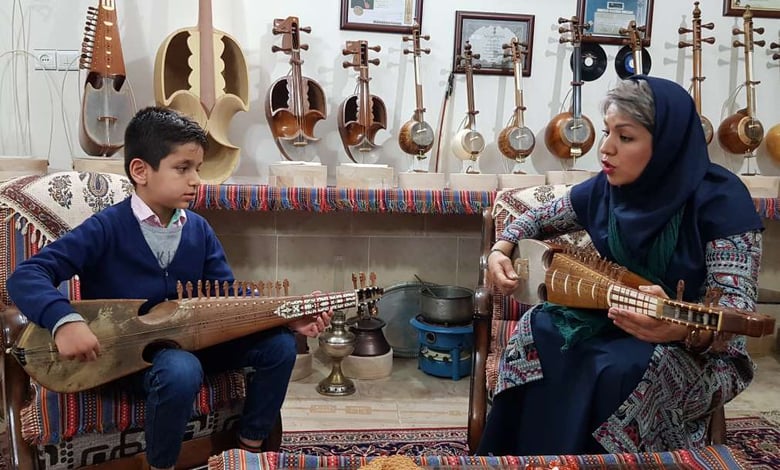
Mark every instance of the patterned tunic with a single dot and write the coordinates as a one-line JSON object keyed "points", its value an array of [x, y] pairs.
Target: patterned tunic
{"points": [[670, 407]]}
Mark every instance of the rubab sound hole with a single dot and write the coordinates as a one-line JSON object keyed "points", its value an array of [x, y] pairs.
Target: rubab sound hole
{"points": [[522, 140]]}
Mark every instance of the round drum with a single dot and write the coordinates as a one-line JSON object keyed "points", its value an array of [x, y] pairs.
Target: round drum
{"points": [[399, 304]]}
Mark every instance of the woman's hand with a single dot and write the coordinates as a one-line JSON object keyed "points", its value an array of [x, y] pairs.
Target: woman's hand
{"points": [[312, 326], [646, 328], [500, 271]]}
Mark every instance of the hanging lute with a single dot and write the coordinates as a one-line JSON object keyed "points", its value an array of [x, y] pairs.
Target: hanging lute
{"points": [[516, 141], [773, 134], [568, 278], [468, 143], [416, 135], [194, 321], [696, 27]]}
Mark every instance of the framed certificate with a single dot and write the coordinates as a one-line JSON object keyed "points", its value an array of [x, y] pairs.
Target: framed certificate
{"points": [[760, 8], [487, 33], [605, 18], [384, 16]]}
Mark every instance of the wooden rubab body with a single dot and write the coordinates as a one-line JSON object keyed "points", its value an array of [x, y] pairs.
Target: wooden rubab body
{"points": [[570, 134], [696, 42], [211, 315], [516, 141], [569, 277], [773, 134], [416, 135], [362, 114], [468, 143], [201, 72], [294, 103], [107, 105], [742, 132]]}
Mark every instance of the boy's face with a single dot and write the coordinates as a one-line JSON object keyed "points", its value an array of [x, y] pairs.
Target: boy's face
{"points": [[175, 183]]}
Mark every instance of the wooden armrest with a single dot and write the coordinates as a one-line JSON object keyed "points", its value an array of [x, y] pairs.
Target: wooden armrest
{"points": [[11, 324]]}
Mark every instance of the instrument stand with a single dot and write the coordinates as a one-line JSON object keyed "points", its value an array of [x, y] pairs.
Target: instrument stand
{"points": [[519, 178], [759, 186], [472, 179], [418, 177], [569, 177], [113, 164], [297, 174], [364, 176]]}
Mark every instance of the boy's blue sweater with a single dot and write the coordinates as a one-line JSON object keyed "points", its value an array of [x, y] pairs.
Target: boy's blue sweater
{"points": [[109, 253]]}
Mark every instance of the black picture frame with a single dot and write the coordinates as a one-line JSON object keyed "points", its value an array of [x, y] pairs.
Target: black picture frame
{"points": [[764, 8], [606, 17], [487, 32], [398, 16]]}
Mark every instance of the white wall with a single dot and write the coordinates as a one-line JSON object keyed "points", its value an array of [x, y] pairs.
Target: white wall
{"points": [[145, 24]]}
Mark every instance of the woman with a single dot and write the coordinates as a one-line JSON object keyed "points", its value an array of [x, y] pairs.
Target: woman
{"points": [[576, 381]]}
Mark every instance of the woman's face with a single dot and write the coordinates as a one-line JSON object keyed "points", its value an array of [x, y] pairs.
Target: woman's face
{"points": [[626, 148]]}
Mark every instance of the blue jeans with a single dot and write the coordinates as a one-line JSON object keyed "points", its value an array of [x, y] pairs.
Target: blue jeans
{"points": [[173, 381]]}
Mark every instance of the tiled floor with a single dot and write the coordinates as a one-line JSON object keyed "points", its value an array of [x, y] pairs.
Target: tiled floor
{"points": [[411, 398]]}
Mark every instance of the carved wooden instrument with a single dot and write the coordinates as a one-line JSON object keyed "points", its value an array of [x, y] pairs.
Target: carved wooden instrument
{"points": [[634, 41], [742, 132], [696, 27], [416, 135], [468, 143], [192, 323], [569, 278], [201, 72], [570, 134], [107, 105], [516, 141], [773, 134], [294, 103], [362, 114]]}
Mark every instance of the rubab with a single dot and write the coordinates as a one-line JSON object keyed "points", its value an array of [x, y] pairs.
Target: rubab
{"points": [[635, 38], [201, 72], [696, 42], [362, 114], [416, 136], [468, 143], [107, 105], [773, 134], [570, 134], [742, 132], [295, 103], [516, 141]]}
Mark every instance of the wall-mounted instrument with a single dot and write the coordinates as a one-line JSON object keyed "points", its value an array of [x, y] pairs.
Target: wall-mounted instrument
{"points": [[201, 72], [516, 141], [200, 318], [773, 134], [468, 143], [294, 103], [696, 27], [570, 134], [416, 135], [576, 280], [362, 114], [742, 132], [632, 59], [107, 105]]}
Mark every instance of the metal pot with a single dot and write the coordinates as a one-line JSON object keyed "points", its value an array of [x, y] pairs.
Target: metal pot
{"points": [[446, 304]]}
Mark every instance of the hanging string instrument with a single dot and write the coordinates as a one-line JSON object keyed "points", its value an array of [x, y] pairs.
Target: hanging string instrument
{"points": [[634, 40], [201, 72], [570, 134], [573, 279], [773, 134], [696, 42], [742, 132], [362, 114], [516, 141], [107, 105], [192, 322], [468, 143], [294, 104], [416, 135]]}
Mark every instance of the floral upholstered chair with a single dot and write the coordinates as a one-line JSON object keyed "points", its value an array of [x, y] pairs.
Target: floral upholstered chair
{"points": [[42, 429]]}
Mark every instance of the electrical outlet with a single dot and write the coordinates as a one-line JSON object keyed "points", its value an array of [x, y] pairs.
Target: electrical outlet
{"points": [[46, 59], [68, 60]]}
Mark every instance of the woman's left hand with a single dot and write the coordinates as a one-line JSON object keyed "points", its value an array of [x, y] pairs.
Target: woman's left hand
{"points": [[644, 327], [312, 326]]}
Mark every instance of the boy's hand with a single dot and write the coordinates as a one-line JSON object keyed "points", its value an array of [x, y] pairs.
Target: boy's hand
{"points": [[312, 326], [75, 340]]}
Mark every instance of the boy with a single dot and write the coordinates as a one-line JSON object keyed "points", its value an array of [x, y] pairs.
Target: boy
{"points": [[140, 248]]}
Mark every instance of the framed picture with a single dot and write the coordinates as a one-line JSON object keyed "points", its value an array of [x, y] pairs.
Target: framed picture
{"points": [[760, 8], [487, 32], [605, 18], [384, 16]]}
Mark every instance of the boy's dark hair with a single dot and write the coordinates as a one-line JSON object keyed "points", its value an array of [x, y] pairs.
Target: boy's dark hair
{"points": [[153, 133]]}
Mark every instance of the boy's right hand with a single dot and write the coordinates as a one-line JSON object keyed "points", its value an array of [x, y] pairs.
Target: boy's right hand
{"points": [[75, 340]]}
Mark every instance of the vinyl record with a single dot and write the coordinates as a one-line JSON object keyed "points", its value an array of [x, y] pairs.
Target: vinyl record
{"points": [[594, 61], [624, 62]]}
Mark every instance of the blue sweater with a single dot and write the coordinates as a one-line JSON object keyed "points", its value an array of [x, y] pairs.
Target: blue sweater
{"points": [[113, 260]]}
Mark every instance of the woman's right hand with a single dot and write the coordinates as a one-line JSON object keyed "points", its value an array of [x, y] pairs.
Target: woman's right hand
{"points": [[75, 340], [500, 271]]}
